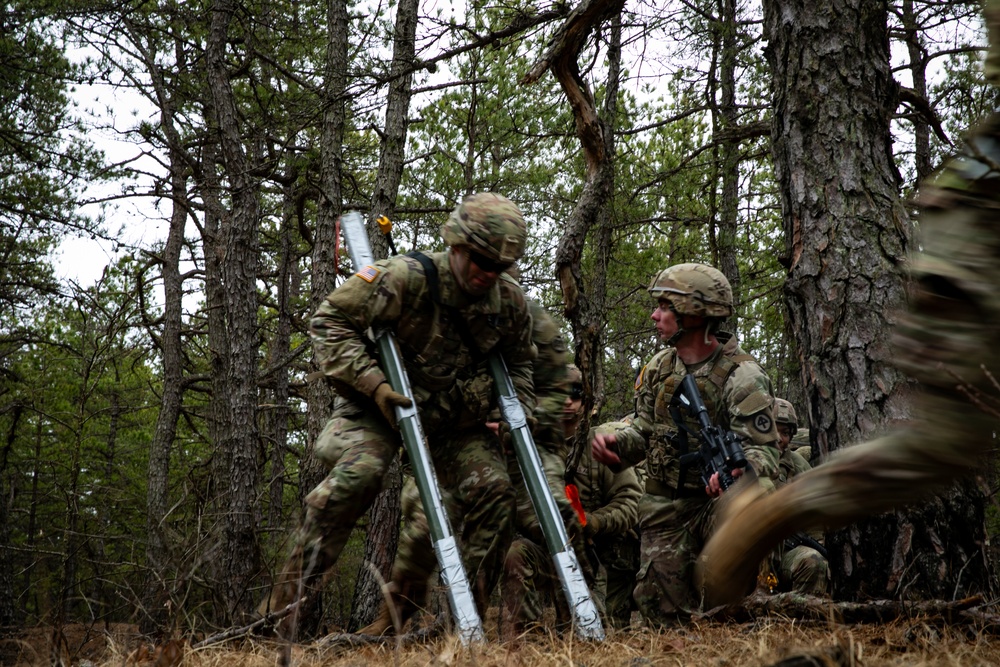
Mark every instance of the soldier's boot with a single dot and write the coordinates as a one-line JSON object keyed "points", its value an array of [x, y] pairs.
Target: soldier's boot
{"points": [[403, 601], [284, 592]]}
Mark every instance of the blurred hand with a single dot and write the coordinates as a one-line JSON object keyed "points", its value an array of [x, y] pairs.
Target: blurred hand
{"points": [[603, 447], [388, 400]]}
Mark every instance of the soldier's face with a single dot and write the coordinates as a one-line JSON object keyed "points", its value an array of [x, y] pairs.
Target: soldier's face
{"points": [[665, 319], [472, 278], [784, 436]]}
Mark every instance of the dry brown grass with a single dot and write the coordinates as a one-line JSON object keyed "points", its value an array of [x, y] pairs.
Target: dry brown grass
{"points": [[914, 643]]}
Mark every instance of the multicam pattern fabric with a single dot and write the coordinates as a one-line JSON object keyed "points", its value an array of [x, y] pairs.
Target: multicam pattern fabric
{"points": [[611, 501], [800, 569], [450, 381], [694, 289], [454, 395], [676, 514], [945, 341], [490, 223], [736, 392], [550, 378], [479, 499], [671, 534], [784, 413]]}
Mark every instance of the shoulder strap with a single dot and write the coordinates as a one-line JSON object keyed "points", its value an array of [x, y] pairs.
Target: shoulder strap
{"points": [[433, 287], [725, 367], [430, 272]]}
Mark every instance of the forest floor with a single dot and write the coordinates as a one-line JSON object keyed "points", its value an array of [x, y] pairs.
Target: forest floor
{"points": [[767, 642]]}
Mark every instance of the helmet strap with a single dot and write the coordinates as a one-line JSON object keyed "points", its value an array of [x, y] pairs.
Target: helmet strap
{"points": [[680, 326]]}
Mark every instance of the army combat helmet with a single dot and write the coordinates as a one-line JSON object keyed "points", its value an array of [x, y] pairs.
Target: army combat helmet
{"points": [[489, 224], [784, 413], [694, 289]]}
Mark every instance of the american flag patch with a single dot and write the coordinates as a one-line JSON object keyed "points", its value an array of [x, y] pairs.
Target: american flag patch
{"points": [[369, 273]]}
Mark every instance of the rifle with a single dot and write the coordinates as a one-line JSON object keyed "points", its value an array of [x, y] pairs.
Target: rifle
{"points": [[720, 451], [586, 620], [453, 575]]}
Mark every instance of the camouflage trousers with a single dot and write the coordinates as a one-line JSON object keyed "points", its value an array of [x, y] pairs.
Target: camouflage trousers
{"points": [[358, 447], [801, 569], [672, 534], [947, 341], [616, 579], [529, 579], [479, 500], [529, 574], [554, 468]]}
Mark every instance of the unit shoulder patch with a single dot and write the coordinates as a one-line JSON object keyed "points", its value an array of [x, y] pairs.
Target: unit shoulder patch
{"points": [[762, 423]]}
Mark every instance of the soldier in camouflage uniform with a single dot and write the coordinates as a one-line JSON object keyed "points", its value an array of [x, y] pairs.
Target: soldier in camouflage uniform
{"points": [[444, 339], [552, 389], [946, 340], [610, 503], [675, 514], [801, 569]]}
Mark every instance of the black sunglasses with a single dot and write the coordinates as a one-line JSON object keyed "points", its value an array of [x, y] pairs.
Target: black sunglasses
{"points": [[576, 392], [487, 264]]}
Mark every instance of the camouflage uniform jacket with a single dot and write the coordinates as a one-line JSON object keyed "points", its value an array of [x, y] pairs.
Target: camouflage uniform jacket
{"points": [[550, 378], [611, 497], [738, 396], [450, 381], [790, 464]]}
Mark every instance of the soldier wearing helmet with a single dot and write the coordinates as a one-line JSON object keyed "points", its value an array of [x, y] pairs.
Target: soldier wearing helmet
{"points": [[609, 501], [448, 310], [787, 421], [946, 340], [790, 436], [692, 301], [797, 567]]}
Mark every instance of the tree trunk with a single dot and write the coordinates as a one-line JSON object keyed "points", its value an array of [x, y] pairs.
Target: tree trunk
{"points": [[847, 236], [583, 305], [324, 251], [8, 617], [156, 592], [383, 519], [275, 420], [239, 550], [218, 345], [726, 118], [918, 71]]}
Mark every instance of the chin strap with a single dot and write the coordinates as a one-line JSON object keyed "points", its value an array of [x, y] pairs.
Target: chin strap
{"points": [[680, 327]]}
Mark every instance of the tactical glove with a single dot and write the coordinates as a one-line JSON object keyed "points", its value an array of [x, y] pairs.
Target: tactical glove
{"points": [[388, 400], [592, 527]]}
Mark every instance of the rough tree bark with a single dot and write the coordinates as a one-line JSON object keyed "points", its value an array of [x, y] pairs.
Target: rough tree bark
{"points": [[384, 516], [584, 303], [847, 236], [324, 251], [155, 616], [8, 617], [239, 555], [725, 119]]}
